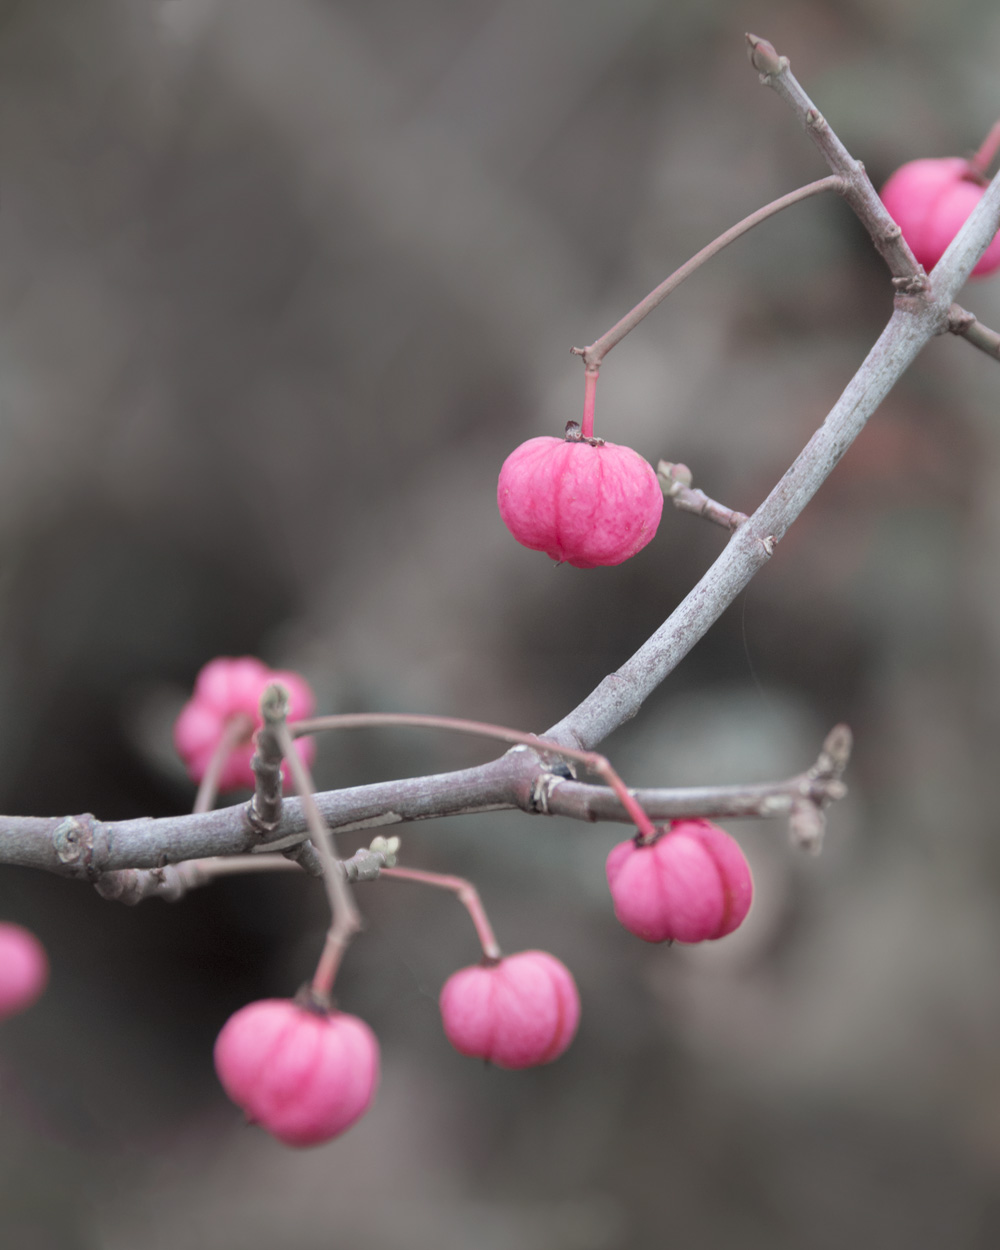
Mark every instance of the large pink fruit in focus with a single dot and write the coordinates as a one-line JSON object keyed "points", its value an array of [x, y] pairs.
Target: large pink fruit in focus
{"points": [[693, 883], [24, 969], [516, 1013], [585, 504], [225, 688], [302, 1075], [929, 200]]}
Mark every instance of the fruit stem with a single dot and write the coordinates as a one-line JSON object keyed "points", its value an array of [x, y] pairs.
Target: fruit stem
{"points": [[236, 731], [345, 918], [590, 759], [589, 395], [987, 150], [595, 353], [467, 895]]}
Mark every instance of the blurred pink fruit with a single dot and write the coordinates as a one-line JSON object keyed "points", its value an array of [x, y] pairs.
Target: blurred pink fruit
{"points": [[303, 1075], [24, 969], [226, 688], [929, 200]]}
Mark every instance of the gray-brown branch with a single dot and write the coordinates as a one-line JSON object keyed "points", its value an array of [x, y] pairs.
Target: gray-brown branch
{"points": [[85, 847]]}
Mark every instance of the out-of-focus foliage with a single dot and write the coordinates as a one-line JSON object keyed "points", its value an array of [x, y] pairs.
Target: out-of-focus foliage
{"points": [[281, 285]]}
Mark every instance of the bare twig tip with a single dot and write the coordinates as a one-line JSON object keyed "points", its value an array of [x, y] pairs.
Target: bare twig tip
{"points": [[763, 56], [838, 744]]}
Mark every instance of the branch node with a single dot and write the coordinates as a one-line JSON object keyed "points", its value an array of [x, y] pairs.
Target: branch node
{"points": [[806, 825], [541, 792], [73, 839]]}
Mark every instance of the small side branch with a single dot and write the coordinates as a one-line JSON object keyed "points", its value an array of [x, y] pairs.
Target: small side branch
{"points": [[802, 799], [675, 481], [595, 353], [973, 331], [909, 276]]}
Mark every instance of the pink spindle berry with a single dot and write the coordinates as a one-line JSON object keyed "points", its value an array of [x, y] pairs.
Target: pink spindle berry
{"points": [[929, 200], [226, 688], [24, 969], [302, 1074], [516, 1013], [693, 883], [588, 503]]}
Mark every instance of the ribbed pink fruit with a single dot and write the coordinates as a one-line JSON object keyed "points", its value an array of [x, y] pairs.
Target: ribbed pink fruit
{"points": [[929, 200], [517, 1013], [225, 688], [302, 1075], [585, 504], [693, 883], [24, 969]]}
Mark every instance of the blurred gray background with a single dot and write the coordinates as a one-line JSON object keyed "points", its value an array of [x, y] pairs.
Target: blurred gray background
{"points": [[281, 284]]}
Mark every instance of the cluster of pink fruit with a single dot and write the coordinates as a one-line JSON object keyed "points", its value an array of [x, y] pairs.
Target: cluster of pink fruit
{"points": [[306, 1073]]}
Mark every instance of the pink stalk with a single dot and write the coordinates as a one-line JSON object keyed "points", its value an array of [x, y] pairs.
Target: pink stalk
{"points": [[345, 919], [988, 149], [595, 353], [589, 395], [468, 896], [590, 759]]}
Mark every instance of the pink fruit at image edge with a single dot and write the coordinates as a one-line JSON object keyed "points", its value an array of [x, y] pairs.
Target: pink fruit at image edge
{"points": [[304, 1076], [24, 969], [583, 504], [228, 687], [691, 885], [519, 1012], [930, 200]]}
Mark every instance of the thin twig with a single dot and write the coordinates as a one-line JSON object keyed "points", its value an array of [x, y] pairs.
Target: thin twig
{"points": [[973, 331], [858, 189], [675, 480], [988, 149], [468, 896], [595, 353]]}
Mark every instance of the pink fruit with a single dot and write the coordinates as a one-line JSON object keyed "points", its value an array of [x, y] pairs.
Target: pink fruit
{"points": [[929, 200], [303, 1075], [226, 688], [24, 969], [587, 503], [692, 884], [516, 1013]]}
